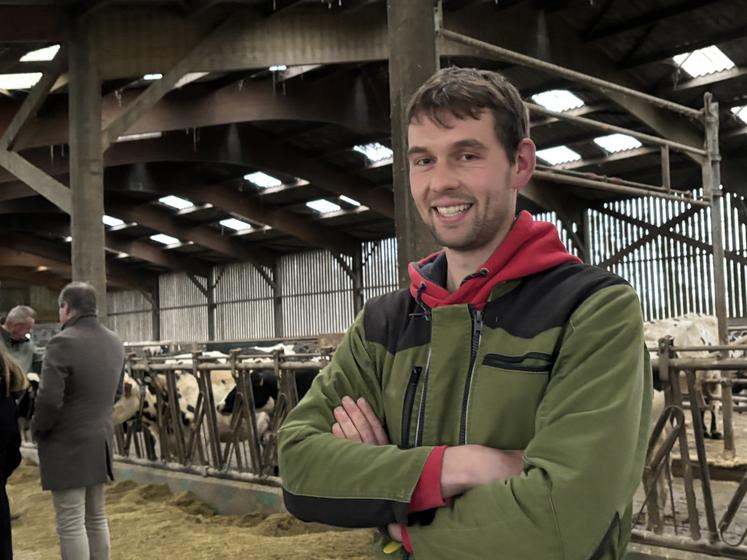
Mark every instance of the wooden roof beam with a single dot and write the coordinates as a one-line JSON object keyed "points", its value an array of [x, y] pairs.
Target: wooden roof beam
{"points": [[55, 255], [33, 276], [227, 198], [653, 16], [34, 99], [159, 88], [170, 224]]}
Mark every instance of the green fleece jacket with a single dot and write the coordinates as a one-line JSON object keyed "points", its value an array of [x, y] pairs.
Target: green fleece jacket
{"points": [[553, 364]]}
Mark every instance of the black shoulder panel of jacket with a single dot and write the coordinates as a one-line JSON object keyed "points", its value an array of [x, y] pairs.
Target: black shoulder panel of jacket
{"points": [[547, 299], [396, 321], [346, 512]]}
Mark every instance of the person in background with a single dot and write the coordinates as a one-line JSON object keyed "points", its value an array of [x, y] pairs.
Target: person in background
{"points": [[72, 424], [12, 380], [15, 334]]}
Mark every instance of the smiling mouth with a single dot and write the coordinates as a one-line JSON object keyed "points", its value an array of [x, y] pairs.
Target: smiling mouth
{"points": [[450, 211]]}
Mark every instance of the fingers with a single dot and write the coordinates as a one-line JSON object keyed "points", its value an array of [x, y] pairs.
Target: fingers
{"points": [[347, 427], [358, 422], [373, 421], [395, 531]]}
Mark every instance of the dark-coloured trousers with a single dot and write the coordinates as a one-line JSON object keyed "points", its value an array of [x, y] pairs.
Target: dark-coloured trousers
{"points": [[10, 458]]}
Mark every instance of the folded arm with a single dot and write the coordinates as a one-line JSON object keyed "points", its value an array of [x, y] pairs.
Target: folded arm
{"points": [[335, 480]]}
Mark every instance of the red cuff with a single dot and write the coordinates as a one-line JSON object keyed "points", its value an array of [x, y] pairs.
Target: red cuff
{"points": [[406, 539], [427, 494]]}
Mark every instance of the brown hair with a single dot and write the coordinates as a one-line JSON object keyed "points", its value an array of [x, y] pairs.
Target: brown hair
{"points": [[466, 93], [10, 372]]}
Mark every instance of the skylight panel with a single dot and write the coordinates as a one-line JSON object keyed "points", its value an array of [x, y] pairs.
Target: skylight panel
{"points": [[25, 80], [740, 112], [374, 152], [140, 136], [165, 239], [558, 100], [702, 62], [323, 206], [558, 155], [189, 78], [111, 221], [617, 142], [176, 202], [234, 224], [41, 55], [349, 200], [262, 180], [152, 77]]}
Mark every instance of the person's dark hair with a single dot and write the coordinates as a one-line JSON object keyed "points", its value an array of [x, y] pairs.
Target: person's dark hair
{"points": [[466, 93], [79, 296]]}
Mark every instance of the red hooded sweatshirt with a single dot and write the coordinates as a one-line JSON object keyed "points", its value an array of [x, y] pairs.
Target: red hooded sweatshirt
{"points": [[529, 247]]}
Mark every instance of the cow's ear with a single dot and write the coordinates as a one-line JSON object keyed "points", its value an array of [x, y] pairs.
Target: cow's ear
{"points": [[128, 389]]}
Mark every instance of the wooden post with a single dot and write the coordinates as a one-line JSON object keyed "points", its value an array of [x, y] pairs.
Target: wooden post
{"points": [[413, 58], [86, 162]]}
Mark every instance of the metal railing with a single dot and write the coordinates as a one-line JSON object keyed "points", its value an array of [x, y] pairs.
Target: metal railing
{"points": [[177, 423], [677, 372]]}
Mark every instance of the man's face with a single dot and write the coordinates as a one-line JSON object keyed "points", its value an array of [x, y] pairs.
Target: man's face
{"points": [[462, 182], [64, 313], [19, 329]]}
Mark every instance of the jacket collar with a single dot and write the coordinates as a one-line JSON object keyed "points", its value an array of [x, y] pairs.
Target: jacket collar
{"points": [[76, 319], [530, 247]]}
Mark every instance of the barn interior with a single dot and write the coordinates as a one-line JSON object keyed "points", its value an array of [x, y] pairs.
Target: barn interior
{"points": [[233, 170]]}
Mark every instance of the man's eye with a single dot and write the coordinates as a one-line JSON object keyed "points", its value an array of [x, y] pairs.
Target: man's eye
{"points": [[469, 156], [423, 161]]}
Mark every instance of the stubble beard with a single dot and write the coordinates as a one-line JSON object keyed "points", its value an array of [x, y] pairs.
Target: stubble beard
{"points": [[481, 232]]}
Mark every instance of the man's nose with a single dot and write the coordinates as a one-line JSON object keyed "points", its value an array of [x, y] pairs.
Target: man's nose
{"points": [[443, 177]]}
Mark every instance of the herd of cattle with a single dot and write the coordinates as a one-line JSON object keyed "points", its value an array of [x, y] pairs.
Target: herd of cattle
{"points": [[145, 398], [145, 401]]}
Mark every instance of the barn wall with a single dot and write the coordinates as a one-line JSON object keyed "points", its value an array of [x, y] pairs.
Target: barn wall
{"points": [[317, 294], [184, 309], [130, 315], [243, 304], [671, 277]]}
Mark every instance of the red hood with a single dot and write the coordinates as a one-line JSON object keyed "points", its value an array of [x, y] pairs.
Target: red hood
{"points": [[529, 247]]}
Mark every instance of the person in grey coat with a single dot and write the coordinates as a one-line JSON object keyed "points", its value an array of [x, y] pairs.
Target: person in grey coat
{"points": [[72, 424]]}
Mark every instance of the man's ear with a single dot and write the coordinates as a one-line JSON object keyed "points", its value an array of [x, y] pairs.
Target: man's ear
{"points": [[524, 163]]}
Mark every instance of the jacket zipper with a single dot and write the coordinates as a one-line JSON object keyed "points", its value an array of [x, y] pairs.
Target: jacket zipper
{"points": [[476, 316], [412, 387], [421, 407]]}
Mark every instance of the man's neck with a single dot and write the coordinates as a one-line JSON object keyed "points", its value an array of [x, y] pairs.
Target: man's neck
{"points": [[461, 264]]}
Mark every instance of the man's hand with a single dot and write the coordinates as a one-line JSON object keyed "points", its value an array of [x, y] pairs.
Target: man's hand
{"points": [[357, 421], [467, 466]]}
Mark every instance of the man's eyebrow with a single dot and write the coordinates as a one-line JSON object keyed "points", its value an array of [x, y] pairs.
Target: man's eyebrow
{"points": [[472, 143], [469, 143], [417, 150]]}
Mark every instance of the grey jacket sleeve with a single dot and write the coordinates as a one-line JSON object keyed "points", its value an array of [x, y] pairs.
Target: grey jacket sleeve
{"points": [[51, 393]]}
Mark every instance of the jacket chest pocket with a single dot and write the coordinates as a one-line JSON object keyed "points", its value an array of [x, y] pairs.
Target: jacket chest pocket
{"points": [[506, 393]]}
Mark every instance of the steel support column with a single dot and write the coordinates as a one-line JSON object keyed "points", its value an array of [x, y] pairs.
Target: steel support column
{"points": [[277, 302], [413, 58], [86, 161], [712, 192]]}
